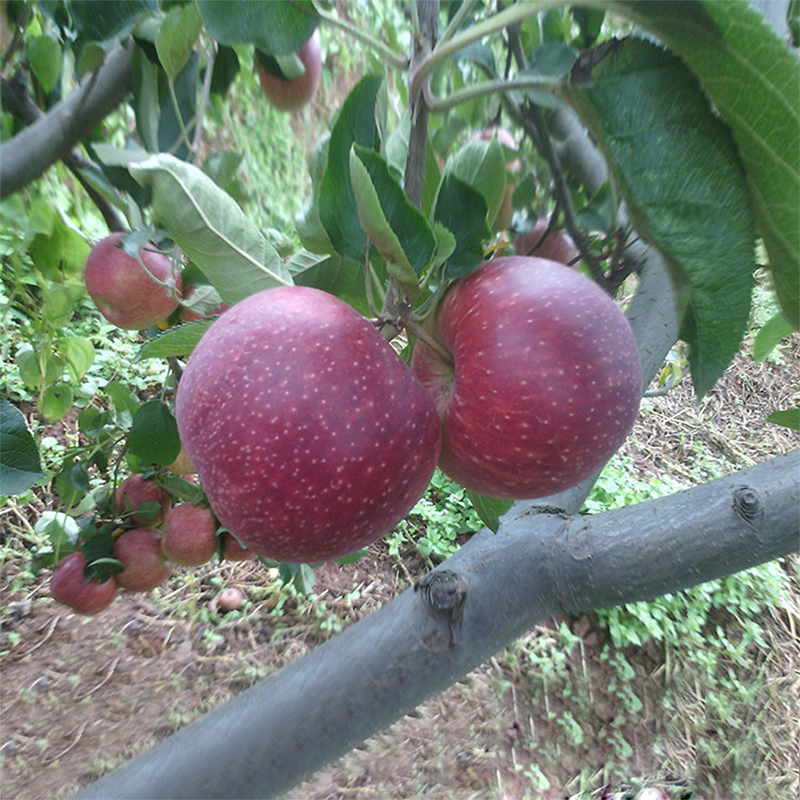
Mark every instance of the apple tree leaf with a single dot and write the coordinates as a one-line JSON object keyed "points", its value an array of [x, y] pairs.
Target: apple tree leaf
{"points": [[461, 210], [55, 401], [643, 105], [355, 124], [489, 509], [177, 342], [209, 226], [275, 28], [20, 466], [397, 228], [752, 79], [44, 56], [482, 166], [153, 437], [78, 353], [774, 329], [788, 418], [176, 37]]}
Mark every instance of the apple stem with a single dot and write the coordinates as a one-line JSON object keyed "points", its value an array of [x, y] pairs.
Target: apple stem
{"points": [[416, 330]]}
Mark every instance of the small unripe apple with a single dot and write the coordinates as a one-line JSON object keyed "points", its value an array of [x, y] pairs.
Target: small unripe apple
{"points": [[233, 551], [145, 566], [189, 537], [125, 294], [69, 587], [230, 599], [311, 436], [288, 95], [558, 245], [182, 465], [134, 491], [544, 382]]}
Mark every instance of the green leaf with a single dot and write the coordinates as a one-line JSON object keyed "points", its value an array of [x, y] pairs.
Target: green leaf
{"points": [[58, 305], [72, 483], [123, 399], [489, 509], [398, 229], [100, 21], [170, 131], [213, 231], [20, 466], [774, 329], [62, 531], [482, 166], [146, 107], [55, 401], [176, 37], [682, 181], [177, 342], [78, 352], [337, 204], [44, 56], [274, 28], [154, 434], [751, 77], [333, 274], [789, 418], [61, 253], [462, 211]]}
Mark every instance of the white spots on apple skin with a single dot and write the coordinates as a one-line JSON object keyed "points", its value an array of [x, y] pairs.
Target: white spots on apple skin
{"points": [[310, 435]]}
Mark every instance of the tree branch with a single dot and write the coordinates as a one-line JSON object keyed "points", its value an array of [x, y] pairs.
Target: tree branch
{"points": [[28, 154], [278, 732]]}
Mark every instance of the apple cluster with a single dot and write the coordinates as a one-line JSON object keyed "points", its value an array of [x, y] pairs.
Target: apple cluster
{"points": [[153, 536]]}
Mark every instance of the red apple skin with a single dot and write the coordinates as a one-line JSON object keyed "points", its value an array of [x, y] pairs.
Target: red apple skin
{"points": [[70, 588], [134, 491], [310, 435], [234, 551], [189, 537], [291, 95], [230, 599], [124, 294], [558, 245], [545, 380], [145, 566]]}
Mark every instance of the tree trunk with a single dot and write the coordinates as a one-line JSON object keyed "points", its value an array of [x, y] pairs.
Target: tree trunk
{"points": [[280, 731]]}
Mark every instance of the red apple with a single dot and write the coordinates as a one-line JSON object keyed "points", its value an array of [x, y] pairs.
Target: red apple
{"points": [[145, 566], [310, 435], [292, 94], [189, 537], [544, 383], [233, 551], [134, 491], [558, 245], [69, 587], [506, 212], [126, 294], [230, 599]]}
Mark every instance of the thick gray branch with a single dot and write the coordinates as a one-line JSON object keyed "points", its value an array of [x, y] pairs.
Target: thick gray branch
{"points": [[28, 154], [281, 730]]}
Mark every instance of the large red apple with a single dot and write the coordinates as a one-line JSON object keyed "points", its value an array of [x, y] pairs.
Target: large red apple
{"points": [[189, 537], [69, 587], [545, 380], [310, 435], [558, 245], [127, 295], [144, 564], [136, 490], [288, 95]]}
